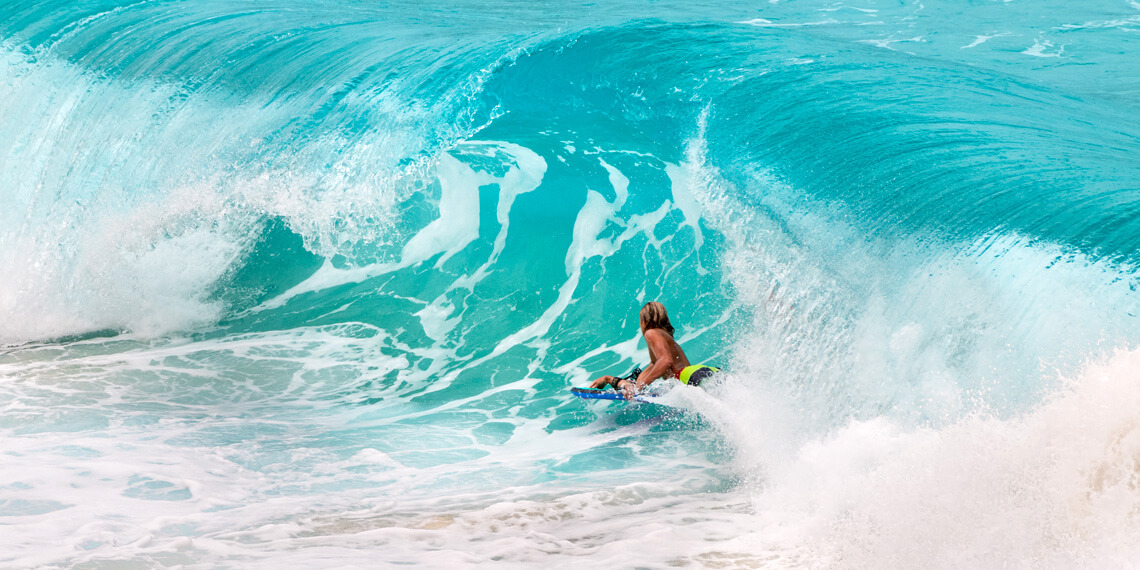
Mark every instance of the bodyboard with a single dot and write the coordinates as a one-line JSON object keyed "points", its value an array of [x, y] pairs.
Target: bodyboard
{"points": [[596, 394]]}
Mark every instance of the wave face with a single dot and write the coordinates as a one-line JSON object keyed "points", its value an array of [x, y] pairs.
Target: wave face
{"points": [[305, 283]]}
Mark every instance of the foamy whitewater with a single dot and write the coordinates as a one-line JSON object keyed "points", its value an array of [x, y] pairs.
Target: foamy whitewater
{"points": [[304, 284]]}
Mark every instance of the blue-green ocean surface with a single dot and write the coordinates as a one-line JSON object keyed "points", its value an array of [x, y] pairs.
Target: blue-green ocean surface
{"points": [[297, 284]]}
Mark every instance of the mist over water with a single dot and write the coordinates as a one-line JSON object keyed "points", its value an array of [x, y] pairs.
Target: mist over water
{"points": [[305, 284]]}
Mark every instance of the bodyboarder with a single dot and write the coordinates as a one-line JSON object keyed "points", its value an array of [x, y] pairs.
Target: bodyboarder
{"points": [[666, 358]]}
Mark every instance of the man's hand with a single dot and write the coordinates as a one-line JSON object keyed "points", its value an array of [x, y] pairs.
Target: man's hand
{"points": [[602, 382], [628, 391]]}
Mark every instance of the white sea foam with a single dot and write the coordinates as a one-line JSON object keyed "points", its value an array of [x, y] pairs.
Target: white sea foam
{"points": [[455, 227], [889, 42], [148, 271], [1041, 48], [525, 176], [127, 224], [1052, 488], [981, 39], [763, 23]]}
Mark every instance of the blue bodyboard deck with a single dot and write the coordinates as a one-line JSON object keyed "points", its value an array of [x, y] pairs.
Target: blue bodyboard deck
{"points": [[596, 394]]}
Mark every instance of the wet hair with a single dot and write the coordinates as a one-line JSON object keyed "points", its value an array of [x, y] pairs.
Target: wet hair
{"points": [[653, 316]]}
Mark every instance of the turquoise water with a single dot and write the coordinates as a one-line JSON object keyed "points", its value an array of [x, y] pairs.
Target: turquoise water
{"points": [[305, 284]]}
